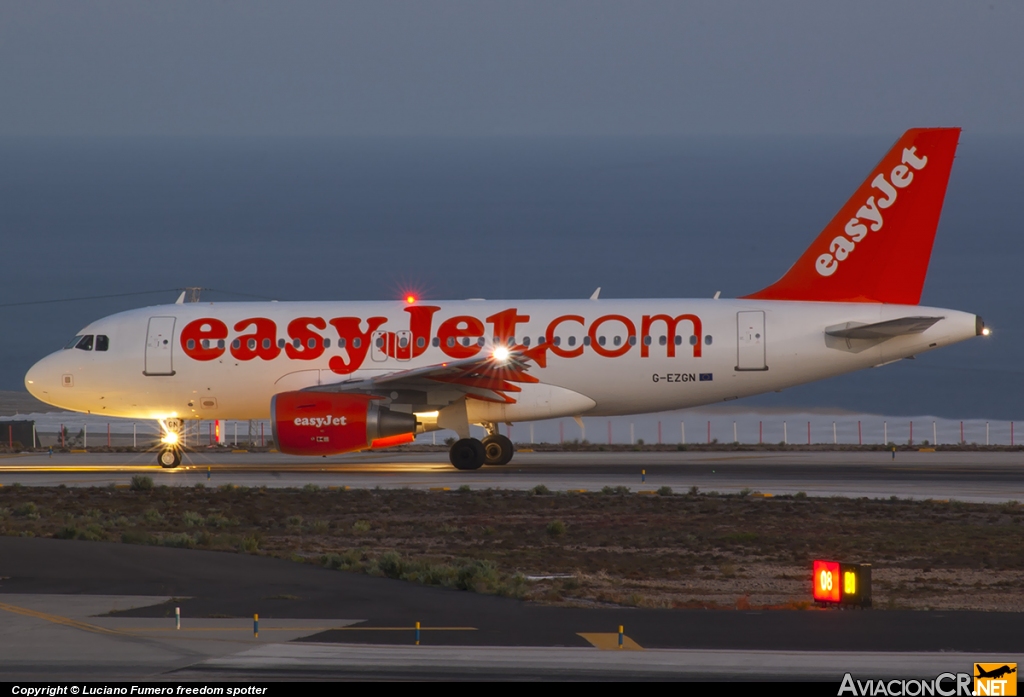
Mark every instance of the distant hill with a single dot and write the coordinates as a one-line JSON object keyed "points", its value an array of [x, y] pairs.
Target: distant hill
{"points": [[12, 403]]}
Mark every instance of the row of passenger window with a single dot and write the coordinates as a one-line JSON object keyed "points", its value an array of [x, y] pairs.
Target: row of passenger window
{"points": [[89, 342], [403, 342]]}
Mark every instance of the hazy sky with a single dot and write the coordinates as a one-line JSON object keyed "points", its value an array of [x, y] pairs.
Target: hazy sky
{"points": [[499, 68]]}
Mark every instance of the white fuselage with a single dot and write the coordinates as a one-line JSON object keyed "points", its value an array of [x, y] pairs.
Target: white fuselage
{"points": [[735, 348]]}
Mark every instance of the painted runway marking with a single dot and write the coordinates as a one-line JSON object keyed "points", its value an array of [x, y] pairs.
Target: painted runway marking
{"points": [[609, 641], [59, 619]]}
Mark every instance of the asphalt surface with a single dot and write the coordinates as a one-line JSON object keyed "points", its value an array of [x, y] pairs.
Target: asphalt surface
{"points": [[965, 476], [42, 579]]}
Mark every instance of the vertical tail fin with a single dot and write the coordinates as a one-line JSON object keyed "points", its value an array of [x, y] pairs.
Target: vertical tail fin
{"points": [[878, 246]]}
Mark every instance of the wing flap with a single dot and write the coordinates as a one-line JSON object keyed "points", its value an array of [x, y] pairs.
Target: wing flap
{"points": [[481, 377]]}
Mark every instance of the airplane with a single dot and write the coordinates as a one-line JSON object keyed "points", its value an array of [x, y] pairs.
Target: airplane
{"points": [[339, 377]]}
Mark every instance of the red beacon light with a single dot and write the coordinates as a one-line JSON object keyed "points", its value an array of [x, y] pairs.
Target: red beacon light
{"points": [[410, 299], [838, 583]]}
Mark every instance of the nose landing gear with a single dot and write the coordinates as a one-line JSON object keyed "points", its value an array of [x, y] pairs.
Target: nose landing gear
{"points": [[169, 455], [169, 458]]}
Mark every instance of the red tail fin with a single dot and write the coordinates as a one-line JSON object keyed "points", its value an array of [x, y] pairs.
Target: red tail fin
{"points": [[878, 246]]}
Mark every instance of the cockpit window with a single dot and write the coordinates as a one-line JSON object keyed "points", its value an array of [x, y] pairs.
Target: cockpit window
{"points": [[86, 343], [73, 343], [102, 342]]}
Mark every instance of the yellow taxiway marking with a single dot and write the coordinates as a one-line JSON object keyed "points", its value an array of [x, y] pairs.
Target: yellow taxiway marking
{"points": [[609, 641], [58, 619], [407, 629], [233, 629]]}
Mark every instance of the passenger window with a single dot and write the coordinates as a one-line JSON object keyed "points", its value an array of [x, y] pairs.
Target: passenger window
{"points": [[341, 342], [600, 340], [435, 342], [451, 341], [679, 340], [572, 341], [647, 340], [220, 343], [661, 340], [357, 342], [632, 340], [206, 343], [311, 343], [557, 341], [586, 341], [297, 343], [266, 343], [102, 342], [541, 339], [236, 344], [693, 340], [73, 343], [190, 344], [327, 343], [617, 340], [526, 341], [86, 343], [252, 344], [707, 340], [281, 343], [420, 342]]}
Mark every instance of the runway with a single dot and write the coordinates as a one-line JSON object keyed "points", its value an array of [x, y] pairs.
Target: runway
{"points": [[964, 476]]}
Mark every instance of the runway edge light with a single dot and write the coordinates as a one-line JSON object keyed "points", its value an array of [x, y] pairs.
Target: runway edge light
{"points": [[839, 583]]}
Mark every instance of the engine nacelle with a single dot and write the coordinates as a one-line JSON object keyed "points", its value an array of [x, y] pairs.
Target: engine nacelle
{"points": [[329, 423]]}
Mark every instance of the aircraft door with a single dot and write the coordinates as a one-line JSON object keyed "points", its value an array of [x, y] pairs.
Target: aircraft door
{"points": [[379, 346], [160, 346], [750, 339]]}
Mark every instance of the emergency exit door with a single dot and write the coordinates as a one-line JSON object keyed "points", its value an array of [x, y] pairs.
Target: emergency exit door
{"points": [[160, 346], [750, 352]]}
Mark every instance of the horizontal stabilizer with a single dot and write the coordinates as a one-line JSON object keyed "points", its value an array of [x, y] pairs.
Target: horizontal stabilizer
{"points": [[883, 330]]}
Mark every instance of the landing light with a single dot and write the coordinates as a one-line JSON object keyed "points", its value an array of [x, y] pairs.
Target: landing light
{"points": [[170, 438], [500, 354], [986, 331]]}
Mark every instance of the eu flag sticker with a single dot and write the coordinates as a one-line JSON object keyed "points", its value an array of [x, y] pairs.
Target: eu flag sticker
{"points": [[706, 377]]}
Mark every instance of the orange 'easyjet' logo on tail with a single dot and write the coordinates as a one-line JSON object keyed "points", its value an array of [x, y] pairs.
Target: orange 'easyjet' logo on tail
{"points": [[871, 212], [839, 267]]}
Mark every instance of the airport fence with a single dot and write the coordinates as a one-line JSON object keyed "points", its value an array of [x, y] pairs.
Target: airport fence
{"points": [[742, 428]]}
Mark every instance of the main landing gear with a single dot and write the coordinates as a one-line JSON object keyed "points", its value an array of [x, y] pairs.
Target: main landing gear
{"points": [[471, 454], [498, 449], [467, 454]]}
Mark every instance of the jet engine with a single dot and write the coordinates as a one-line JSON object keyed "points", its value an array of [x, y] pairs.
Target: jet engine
{"points": [[328, 423]]}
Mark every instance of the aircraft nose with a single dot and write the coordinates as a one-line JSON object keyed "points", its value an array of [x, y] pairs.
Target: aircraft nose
{"points": [[41, 379]]}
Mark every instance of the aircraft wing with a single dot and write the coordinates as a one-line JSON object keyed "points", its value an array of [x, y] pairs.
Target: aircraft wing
{"points": [[883, 330], [484, 377]]}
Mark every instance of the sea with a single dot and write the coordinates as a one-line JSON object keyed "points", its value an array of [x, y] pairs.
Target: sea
{"points": [[89, 227]]}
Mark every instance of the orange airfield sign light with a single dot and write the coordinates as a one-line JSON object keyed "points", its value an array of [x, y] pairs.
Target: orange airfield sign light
{"points": [[837, 583]]}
